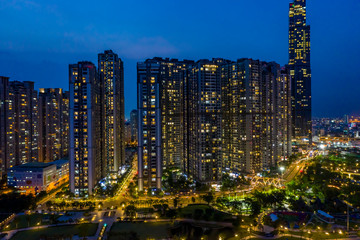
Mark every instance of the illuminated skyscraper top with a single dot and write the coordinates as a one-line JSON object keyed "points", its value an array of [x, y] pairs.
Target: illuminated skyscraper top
{"points": [[300, 71]]}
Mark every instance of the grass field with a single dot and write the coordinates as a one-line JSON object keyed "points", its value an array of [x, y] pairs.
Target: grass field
{"points": [[155, 230], [86, 229], [215, 215], [24, 221]]}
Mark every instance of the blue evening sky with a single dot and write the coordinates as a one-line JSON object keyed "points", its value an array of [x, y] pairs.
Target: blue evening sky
{"points": [[39, 38]]}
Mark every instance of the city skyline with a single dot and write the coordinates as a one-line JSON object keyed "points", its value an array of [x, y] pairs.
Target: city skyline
{"points": [[133, 42], [221, 132]]}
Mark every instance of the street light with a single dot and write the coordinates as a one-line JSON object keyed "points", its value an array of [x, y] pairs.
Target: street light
{"points": [[282, 169]]}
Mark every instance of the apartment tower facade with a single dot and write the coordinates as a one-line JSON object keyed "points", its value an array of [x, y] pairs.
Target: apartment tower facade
{"points": [[54, 124], [86, 144], [111, 75]]}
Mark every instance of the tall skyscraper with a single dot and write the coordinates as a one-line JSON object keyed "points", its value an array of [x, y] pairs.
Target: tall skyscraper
{"points": [[127, 133], [86, 165], [53, 128], [160, 118], [285, 115], [274, 114], [23, 123], [204, 99], [255, 107], [19, 123], [300, 71], [241, 123], [111, 73], [134, 125], [66, 122], [4, 93]]}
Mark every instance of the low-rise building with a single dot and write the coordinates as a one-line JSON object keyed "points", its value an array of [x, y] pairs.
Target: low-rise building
{"points": [[34, 177]]}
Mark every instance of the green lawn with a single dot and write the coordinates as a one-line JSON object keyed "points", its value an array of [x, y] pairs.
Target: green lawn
{"points": [[191, 208], [86, 229], [189, 212], [320, 235], [157, 230], [24, 221]]}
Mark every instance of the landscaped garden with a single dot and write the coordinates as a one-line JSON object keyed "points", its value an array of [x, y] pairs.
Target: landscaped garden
{"points": [[141, 230], [203, 212], [82, 230], [31, 220]]}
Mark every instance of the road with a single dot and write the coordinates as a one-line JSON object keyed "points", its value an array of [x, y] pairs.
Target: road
{"points": [[299, 166], [295, 169], [49, 197]]}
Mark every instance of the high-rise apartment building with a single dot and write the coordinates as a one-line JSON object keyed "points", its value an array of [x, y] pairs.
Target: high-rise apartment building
{"points": [[160, 118], [4, 93], [300, 71], [204, 130], [255, 108], [66, 122], [23, 123], [134, 125], [241, 123], [19, 123], [285, 115], [111, 72], [54, 124], [127, 133], [274, 113], [211, 117], [86, 149]]}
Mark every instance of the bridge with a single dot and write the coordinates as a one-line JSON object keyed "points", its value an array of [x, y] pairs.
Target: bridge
{"points": [[267, 181]]}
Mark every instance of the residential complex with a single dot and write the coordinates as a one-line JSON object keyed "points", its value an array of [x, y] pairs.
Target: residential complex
{"points": [[97, 122], [211, 117]]}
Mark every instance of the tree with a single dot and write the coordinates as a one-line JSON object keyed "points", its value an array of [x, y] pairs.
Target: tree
{"points": [[236, 222], [27, 217], [75, 204], [228, 183], [198, 213], [48, 205], [130, 211], [16, 222], [209, 197], [171, 213], [255, 206], [176, 201]]}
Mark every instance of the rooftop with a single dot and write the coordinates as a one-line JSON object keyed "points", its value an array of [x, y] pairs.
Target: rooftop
{"points": [[31, 165]]}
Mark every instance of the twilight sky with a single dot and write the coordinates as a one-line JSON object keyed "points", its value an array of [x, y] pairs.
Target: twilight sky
{"points": [[40, 38]]}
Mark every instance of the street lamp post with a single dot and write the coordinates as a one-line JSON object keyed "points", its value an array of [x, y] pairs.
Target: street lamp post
{"points": [[282, 169]]}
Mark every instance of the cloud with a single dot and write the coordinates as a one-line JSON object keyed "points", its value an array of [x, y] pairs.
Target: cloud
{"points": [[146, 47], [19, 4], [125, 46]]}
